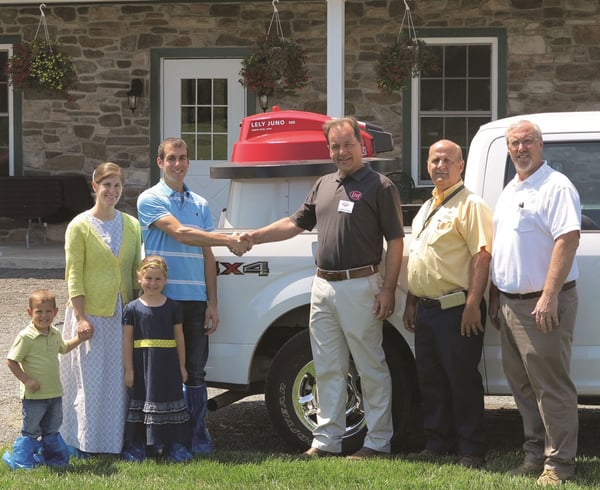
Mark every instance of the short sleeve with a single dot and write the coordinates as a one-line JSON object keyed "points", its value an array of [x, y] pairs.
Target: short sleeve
{"points": [[564, 214], [177, 312], [128, 314], [305, 217], [18, 349], [151, 208], [478, 232]]}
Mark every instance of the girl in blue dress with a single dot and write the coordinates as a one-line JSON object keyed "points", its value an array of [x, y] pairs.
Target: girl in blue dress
{"points": [[154, 361]]}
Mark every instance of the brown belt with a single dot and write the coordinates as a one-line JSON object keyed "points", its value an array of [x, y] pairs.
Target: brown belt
{"points": [[537, 294], [365, 271]]}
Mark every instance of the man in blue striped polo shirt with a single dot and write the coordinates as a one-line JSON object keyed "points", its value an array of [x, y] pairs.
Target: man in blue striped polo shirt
{"points": [[177, 225]]}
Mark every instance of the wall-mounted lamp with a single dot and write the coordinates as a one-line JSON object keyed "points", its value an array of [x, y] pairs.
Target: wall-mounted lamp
{"points": [[136, 90], [263, 100]]}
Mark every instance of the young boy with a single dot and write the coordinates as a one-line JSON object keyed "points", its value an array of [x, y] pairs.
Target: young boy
{"points": [[33, 359]]}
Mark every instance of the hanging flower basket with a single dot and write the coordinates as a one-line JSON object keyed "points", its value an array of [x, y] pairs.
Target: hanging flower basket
{"points": [[275, 65], [401, 61], [40, 66]]}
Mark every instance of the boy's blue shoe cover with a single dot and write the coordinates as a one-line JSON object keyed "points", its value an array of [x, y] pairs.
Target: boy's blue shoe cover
{"points": [[23, 451]]}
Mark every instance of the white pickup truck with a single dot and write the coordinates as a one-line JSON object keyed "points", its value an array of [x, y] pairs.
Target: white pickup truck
{"points": [[262, 343]]}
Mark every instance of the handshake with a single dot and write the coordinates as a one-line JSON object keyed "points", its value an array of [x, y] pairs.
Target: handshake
{"points": [[239, 244]]}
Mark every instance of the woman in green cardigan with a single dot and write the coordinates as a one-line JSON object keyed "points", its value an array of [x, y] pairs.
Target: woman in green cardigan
{"points": [[103, 251]]}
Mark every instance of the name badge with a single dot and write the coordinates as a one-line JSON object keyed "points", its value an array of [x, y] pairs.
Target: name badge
{"points": [[345, 206]]}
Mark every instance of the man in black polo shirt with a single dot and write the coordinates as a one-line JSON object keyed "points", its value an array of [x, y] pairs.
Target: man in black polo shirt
{"points": [[355, 209]]}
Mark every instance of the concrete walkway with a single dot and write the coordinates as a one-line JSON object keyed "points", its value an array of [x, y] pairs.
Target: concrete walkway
{"points": [[15, 255]]}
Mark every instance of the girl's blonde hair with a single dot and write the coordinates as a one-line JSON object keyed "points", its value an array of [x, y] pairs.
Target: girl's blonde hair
{"points": [[153, 261]]}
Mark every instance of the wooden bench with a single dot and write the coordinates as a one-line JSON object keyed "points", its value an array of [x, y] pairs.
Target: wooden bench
{"points": [[40, 200]]}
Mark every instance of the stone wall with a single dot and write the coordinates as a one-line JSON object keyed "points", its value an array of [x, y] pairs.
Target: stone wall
{"points": [[554, 64]]}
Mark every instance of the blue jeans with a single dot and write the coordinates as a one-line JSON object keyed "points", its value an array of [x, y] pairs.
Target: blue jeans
{"points": [[196, 341], [41, 417]]}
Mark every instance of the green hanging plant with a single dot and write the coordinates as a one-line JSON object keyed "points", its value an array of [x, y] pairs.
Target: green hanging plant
{"points": [[40, 66], [405, 59], [401, 61], [275, 65]]}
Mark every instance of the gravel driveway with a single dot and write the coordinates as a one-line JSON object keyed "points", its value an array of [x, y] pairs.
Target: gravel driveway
{"points": [[243, 425]]}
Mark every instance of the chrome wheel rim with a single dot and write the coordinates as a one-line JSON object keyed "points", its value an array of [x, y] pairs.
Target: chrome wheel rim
{"points": [[305, 398]]}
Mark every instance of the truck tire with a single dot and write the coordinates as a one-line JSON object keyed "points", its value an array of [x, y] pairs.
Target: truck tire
{"points": [[291, 386]]}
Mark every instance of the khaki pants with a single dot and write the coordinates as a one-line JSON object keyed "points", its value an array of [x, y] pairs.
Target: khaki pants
{"points": [[537, 367], [342, 322]]}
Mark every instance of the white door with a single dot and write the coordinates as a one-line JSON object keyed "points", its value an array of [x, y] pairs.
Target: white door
{"points": [[204, 103]]}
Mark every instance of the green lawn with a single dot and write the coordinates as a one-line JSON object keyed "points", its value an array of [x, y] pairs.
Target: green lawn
{"points": [[247, 470]]}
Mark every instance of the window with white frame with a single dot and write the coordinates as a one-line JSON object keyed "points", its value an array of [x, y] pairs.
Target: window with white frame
{"points": [[452, 100], [204, 117]]}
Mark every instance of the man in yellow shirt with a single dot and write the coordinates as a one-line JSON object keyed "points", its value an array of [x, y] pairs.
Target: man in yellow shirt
{"points": [[448, 267]]}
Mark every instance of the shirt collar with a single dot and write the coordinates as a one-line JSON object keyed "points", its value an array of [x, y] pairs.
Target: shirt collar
{"points": [[168, 191], [437, 195], [34, 332], [358, 175], [536, 177]]}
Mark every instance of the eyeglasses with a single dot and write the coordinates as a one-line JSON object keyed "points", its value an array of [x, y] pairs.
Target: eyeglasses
{"points": [[528, 142]]}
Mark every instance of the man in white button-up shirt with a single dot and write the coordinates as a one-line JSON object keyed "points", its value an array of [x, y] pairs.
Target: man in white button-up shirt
{"points": [[533, 301]]}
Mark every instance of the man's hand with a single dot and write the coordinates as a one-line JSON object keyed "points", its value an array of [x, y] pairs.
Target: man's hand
{"points": [[410, 313], [471, 321], [239, 245], [384, 304], [211, 319], [546, 312], [494, 306]]}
